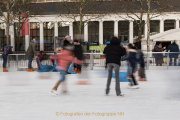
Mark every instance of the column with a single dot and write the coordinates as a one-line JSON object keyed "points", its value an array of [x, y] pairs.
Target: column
{"points": [[56, 28], [41, 36], [26, 42], [12, 39], [85, 31], [116, 28], [101, 32], [161, 25], [177, 24], [71, 29], [145, 30], [131, 31], [27, 39]]}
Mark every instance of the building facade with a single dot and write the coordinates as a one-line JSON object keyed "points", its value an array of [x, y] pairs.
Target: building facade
{"points": [[45, 27]]}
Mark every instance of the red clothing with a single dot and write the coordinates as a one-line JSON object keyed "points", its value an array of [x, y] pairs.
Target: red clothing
{"points": [[40, 56], [64, 59]]}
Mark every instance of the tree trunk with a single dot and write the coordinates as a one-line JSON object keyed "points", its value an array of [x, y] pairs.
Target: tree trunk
{"points": [[19, 28], [148, 25], [140, 20], [7, 24]]}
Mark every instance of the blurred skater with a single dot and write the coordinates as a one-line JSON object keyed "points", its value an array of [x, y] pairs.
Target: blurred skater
{"points": [[107, 43], [78, 52], [7, 50], [113, 53], [31, 52], [131, 57], [63, 60], [142, 67], [67, 42]]}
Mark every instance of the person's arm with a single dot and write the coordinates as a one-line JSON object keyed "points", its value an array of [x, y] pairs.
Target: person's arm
{"points": [[10, 51], [158, 49], [105, 50], [123, 51], [126, 57]]}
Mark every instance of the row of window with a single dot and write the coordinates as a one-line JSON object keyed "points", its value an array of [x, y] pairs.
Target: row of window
{"points": [[93, 32]]}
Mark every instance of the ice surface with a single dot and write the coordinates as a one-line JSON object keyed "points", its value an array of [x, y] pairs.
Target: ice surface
{"points": [[23, 96]]}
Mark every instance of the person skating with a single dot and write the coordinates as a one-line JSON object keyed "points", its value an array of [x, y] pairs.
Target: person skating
{"points": [[107, 43], [142, 67], [78, 52], [31, 52], [67, 43], [131, 57], [7, 50], [113, 53], [63, 60]]}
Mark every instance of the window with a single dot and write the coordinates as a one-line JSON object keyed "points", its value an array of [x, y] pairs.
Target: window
{"points": [[63, 29], [19, 41], [136, 28], [169, 24], [76, 30], [48, 36], [108, 31], [123, 31], [34, 33], [154, 27], [93, 31], [2, 36]]}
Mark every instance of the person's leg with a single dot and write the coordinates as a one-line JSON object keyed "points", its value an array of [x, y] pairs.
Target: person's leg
{"points": [[170, 61], [175, 61], [62, 74], [140, 72], [110, 67], [133, 78], [143, 73], [4, 60], [117, 87], [29, 63]]}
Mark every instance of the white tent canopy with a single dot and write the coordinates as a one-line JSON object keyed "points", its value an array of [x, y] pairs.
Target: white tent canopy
{"points": [[169, 35]]}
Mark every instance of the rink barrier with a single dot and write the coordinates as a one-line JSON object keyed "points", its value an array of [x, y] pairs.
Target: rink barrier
{"points": [[95, 60]]}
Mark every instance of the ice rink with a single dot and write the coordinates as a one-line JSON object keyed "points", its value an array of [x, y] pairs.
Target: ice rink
{"points": [[24, 96]]}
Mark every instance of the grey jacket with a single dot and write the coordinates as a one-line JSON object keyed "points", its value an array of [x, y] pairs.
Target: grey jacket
{"points": [[31, 51]]}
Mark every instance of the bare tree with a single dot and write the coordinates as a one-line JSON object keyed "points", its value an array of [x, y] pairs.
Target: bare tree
{"points": [[156, 8], [134, 9], [81, 11], [6, 10]]}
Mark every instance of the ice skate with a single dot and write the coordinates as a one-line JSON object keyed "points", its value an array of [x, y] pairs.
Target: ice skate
{"points": [[135, 87], [142, 80], [54, 92], [121, 95]]}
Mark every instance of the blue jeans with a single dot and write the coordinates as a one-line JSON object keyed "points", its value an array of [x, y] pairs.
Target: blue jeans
{"points": [[30, 62], [62, 73], [4, 60]]}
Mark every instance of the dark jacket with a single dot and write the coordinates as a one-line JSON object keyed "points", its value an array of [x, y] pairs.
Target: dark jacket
{"points": [[78, 52], [131, 56], [141, 60], [66, 43], [31, 51], [138, 45], [158, 56], [7, 50], [41, 56], [114, 52], [173, 48]]}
